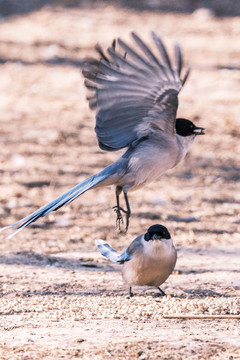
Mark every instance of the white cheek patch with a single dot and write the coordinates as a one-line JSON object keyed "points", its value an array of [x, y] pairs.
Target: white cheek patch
{"points": [[154, 248]]}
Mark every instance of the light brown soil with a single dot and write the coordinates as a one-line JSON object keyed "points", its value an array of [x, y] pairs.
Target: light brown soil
{"points": [[59, 297]]}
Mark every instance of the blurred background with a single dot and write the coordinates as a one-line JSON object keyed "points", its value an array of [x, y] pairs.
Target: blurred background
{"points": [[48, 144], [47, 134], [220, 8]]}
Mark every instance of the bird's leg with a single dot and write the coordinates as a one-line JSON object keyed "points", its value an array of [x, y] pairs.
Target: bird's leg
{"points": [[118, 209], [130, 292], [162, 293], [128, 212]]}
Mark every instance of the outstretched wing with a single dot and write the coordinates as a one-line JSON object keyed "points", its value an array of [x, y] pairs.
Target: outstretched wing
{"points": [[134, 91]]}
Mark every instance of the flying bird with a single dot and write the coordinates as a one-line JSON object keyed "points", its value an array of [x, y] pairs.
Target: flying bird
{"points": [[135, 95], [149, 259]]}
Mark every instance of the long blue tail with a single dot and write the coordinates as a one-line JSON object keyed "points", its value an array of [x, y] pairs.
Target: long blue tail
{"points": [[63, 199]]}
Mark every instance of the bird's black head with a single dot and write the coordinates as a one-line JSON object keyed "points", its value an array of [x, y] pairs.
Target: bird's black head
{"points": [[186, 127], [157, 232]]}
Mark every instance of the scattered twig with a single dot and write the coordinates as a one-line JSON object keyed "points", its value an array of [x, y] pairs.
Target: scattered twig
{"points": [[201, 316]]}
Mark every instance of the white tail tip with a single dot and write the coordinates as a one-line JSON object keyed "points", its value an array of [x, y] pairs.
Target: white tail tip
{"points": [[99, 242]]}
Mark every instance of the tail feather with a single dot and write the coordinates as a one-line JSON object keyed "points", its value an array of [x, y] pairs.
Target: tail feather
{"points": [[107, 251], [63, 199], [111, 254]]}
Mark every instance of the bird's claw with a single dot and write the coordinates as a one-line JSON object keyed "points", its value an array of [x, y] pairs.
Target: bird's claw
{"points": [[119, 219]]}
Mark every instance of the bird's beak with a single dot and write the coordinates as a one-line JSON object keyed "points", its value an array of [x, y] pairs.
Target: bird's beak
{"points": [[156, 237], [199, 131]]}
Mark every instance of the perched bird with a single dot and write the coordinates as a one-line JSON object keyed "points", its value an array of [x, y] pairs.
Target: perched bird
{"points": [[135, 94], [149, 259]]}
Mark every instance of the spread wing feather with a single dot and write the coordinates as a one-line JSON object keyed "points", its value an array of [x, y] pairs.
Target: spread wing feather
{"points": [[132, 90]]}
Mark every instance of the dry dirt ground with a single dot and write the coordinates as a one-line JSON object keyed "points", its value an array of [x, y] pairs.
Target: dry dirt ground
{"points": [[58, 297]]}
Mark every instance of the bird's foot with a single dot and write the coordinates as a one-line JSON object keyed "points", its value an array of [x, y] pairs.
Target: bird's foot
{"points": [[130, 293], [119, 219], [161, 293]]}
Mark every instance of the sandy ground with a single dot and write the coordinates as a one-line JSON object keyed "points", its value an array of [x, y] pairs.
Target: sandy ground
{"points": [[59, 297]]}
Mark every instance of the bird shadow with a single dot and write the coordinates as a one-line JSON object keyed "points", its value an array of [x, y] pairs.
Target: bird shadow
{"points": [[205, 293], [31, 258]]}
